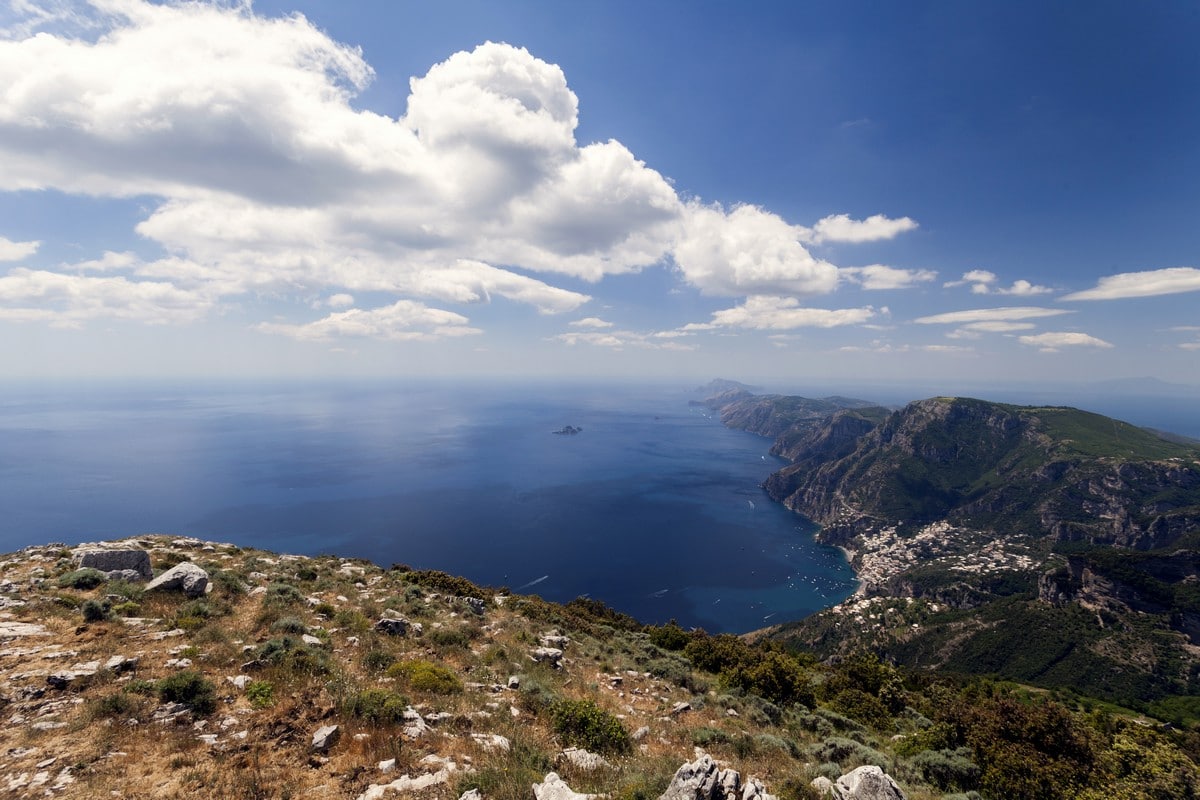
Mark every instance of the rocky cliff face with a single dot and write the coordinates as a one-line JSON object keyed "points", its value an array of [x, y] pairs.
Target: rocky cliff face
{"points": [[984, 464], [980, 525]]}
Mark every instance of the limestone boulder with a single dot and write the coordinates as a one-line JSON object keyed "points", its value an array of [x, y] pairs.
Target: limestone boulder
{"points": [[121, 562], [553, 787], [864, 783], [325, 737], [703, 779], [185, 577]]}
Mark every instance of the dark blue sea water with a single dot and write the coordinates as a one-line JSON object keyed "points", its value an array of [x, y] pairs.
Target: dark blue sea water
{"points": [[655, 508]]}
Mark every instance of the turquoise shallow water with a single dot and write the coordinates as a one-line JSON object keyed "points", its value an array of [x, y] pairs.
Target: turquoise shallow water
{"points": [[655, 508]]}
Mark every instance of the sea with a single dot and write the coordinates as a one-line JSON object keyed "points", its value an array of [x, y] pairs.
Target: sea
{"points": [[653, 508]]}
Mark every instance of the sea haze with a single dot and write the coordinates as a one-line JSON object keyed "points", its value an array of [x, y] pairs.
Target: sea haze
{"points": [[655, 508]]}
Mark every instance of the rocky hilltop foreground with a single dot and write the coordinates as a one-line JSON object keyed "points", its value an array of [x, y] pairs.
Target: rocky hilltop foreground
{"points": [[175, 668], [1042, 544]]}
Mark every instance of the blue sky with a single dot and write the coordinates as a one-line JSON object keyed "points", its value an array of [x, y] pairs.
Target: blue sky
{"points": [[942, 192]]}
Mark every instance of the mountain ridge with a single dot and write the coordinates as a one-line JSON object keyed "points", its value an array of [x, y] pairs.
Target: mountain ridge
{"points": [[971, 523]]}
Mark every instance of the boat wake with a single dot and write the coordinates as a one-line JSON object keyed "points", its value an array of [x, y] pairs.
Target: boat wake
{"points": [[533, 582]]}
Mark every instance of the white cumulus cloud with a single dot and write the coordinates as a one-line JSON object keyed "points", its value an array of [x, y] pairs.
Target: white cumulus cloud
{"points": [[261, 176], [748, 251], [15, 251], [841, 228], [982, 281], [70, 300]]}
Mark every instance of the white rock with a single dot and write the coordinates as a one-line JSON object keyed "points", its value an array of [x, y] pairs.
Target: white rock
{"points": [[553, 787]]}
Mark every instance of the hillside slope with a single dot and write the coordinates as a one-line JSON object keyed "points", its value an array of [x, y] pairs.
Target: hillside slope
{"points": [[239, 673], [1043, 544]]}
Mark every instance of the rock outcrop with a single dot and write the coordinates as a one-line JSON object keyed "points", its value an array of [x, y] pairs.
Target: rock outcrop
{"points": [[703, 779], [184, 577], [553, 787], [864, 783], [122, 563]]}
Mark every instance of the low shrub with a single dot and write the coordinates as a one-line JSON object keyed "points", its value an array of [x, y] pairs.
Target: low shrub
{"points": [[118, 704], [444, 583], [377, 660], [130, 591], [848, 752], [127, 609], [293, 625], [293, 656], [376, 706], [948, 770], [191, 689], [584, 724], [669, 636], [707, 737], [425, 676], [86, 578], [94, 611], [282, 594], [261, 694], [450, 637]]}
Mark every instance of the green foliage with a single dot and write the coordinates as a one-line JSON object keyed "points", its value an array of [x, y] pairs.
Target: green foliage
{"points": [[116, 705], [437, 581], [508, 775], [451, 637], [226, 583], [1026, 751], [588, 613], [866, 689], [1139, 764], [130, 591], [353, 620], [848, 753], [707, 737], [83, 579], [775, 676], [293, 625], [94, 611], [425, 676], [293, 656], [669, 636], [261, 694], [376, 660], [537, 695], [719, 653], [584, 724], [191, 689], [948, 770], [282, 594], [376, 706], [127, 609], [140, 687]]}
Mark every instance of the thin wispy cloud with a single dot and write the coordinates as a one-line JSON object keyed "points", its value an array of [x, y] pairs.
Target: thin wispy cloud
{"points": [[1053, 342], [1149, 283], [1003, 314], [782, 313]]}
